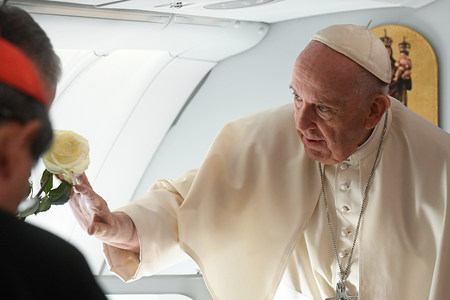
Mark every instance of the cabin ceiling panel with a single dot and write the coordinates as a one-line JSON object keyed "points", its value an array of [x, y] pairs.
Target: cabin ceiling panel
{"points": [[184, 36], [209, 39], [268, 11]]}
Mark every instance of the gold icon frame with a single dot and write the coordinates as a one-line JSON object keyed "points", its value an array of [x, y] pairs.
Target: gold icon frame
{"points": [[423, 96]]}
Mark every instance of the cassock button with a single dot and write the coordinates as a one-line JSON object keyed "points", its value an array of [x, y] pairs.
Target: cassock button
{"points": [[345, 208], [343, 254], [343, 166], [344, 187], [345, 232]]}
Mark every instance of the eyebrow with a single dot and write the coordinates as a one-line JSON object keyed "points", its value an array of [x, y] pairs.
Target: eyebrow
{"points": [[292, 88]]}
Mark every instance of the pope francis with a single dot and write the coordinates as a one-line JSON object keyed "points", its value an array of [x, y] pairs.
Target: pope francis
{"points": [[342, 195]]}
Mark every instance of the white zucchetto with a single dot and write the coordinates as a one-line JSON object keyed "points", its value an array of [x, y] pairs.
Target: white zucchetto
{"points": [[359, 44]]}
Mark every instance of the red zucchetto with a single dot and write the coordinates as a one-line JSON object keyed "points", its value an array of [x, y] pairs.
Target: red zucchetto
{"points": [[18, 72]]}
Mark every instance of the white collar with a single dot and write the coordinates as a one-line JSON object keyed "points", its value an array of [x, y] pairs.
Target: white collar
{"points": [[371, 144]]}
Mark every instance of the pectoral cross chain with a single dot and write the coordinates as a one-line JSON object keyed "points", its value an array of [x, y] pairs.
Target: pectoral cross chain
{"points": [[341, 293]]}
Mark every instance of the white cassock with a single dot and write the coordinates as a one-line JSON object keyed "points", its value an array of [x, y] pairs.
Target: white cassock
{"points": [[285, 292], [250, 216]]}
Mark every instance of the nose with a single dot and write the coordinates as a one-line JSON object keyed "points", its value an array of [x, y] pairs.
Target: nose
{"points": [[304, 117]]}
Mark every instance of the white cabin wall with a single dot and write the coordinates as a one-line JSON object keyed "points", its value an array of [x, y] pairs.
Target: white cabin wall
{"points": [[259, 78], [107, 68]]}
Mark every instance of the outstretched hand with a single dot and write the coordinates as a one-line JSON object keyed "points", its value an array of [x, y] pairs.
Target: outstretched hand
{"points": [[94, 216], [90, 210]]}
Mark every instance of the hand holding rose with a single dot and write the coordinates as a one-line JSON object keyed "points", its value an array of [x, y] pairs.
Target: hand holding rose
{"points": [[94, 216], [67, 159], [68, 154]]}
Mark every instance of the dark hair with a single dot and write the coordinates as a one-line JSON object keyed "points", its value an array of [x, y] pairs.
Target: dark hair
{"points": [[19, 28], [17, 107]]}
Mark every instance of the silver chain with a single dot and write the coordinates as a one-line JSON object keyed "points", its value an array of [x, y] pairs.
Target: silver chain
{"points": [[343, 274]]}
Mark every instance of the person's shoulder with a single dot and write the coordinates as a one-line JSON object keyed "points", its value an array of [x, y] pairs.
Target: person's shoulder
{"points": [[262, 132], [18, 236], [278, 113], [269, 121], [417, 131], [34, 258], [409, 120]]}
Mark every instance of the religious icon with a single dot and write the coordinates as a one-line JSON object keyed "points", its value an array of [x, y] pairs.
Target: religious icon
{"points": [[416, 87], [401, 69]]}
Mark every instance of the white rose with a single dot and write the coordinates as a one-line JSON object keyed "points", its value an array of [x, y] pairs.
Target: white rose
{"points": [[68, 153]]}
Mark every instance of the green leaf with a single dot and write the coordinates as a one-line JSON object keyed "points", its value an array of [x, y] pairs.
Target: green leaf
{"points": [[44, 205], [30, 190], [28, 207], [61, 194], [46, 181]]}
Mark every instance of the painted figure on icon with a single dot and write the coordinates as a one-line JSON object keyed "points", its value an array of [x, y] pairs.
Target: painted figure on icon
{"points": [[401, 69]]}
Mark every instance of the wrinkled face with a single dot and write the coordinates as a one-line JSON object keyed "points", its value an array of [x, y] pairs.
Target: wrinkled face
{"points": [[330, 117]]}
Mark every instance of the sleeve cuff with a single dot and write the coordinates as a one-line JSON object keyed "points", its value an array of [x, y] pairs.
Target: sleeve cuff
{"points": [[125, 264]]}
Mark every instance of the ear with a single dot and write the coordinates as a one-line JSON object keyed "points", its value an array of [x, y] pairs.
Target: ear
{"points": [[51, 94], [377, 107], [14, 139], [30, 131]]}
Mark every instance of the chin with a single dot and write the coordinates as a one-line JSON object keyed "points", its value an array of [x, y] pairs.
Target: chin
{"points": [[316, 155], [324, 158]]}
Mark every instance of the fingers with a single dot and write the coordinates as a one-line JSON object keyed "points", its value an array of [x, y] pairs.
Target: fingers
{"points": [[81, 179], [91, 199], [84, 188], [78, 212], [94, 223], [90, 210]]}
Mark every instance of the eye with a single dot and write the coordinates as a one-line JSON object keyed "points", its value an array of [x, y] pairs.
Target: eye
{"points": [[298, 101], [322, 108], [296, 97]]}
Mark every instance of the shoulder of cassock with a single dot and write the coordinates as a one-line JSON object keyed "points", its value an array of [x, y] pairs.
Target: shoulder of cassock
{"points": [[244, 209], [238, 216], [407, 217], [256, 190], [248, 205]]}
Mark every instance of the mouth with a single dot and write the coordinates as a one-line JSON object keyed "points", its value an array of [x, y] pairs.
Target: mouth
{"points": [[311, 142]]}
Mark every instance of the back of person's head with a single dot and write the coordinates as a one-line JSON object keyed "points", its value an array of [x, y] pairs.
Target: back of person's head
{"points": [[18, 27], [17, 104], [18, 107]]}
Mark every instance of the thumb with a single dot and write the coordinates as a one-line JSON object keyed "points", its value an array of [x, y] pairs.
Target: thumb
{"points": [[99, 228], [91, 230]]}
